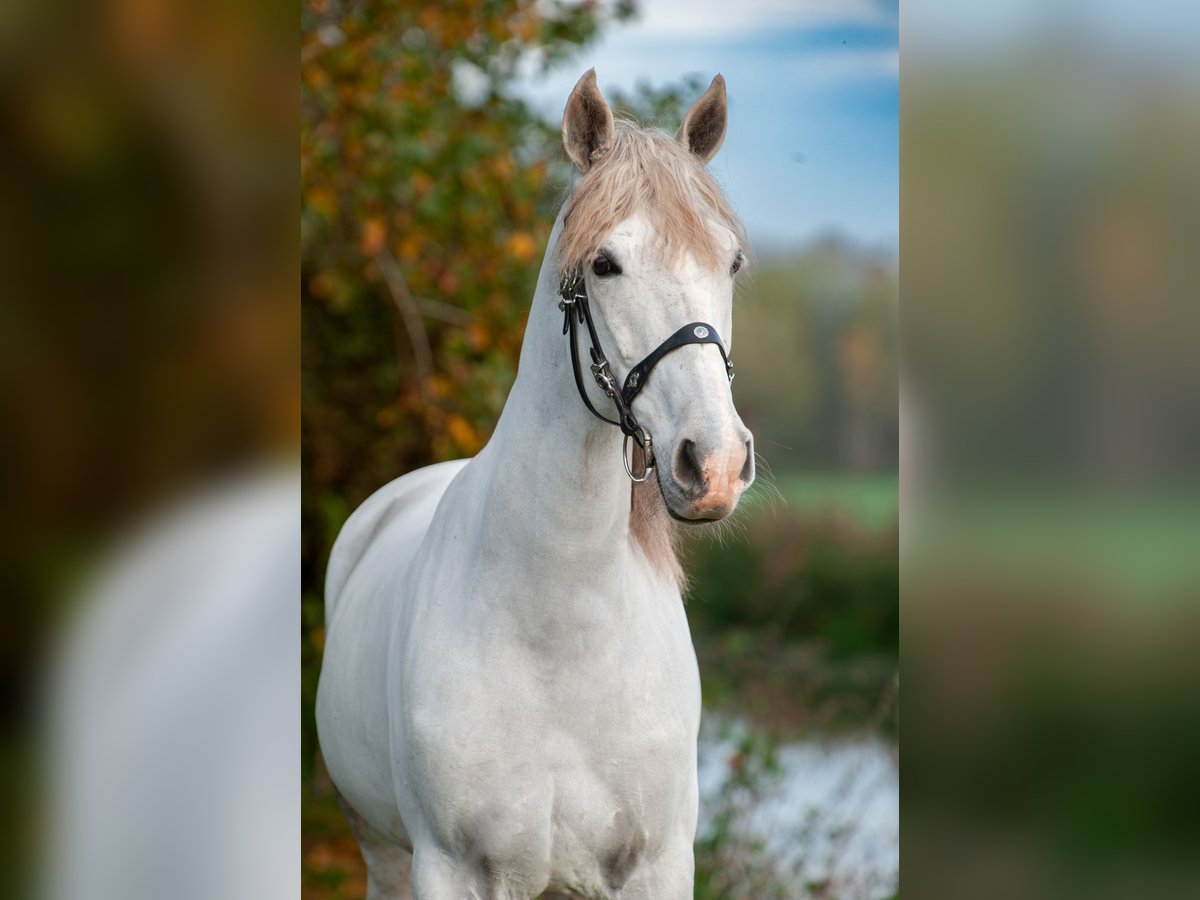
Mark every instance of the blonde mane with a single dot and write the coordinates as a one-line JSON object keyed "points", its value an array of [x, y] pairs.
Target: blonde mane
{"points": [[649, 172], [652, 173]]}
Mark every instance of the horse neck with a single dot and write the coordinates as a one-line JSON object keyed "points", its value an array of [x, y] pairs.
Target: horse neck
{"points": [[556, 471]]}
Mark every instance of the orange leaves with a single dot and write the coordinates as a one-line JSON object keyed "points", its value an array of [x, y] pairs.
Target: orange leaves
{"points": [[322, 285], [323, 200], [316, 78], [409, 247], [430, 17], [521, 246], [452, 435], [335, 291], [439, 386], [461, 432], [374, 236], [421, 183], [503, 168], [524, 26], [478, 337], [385, 418]]}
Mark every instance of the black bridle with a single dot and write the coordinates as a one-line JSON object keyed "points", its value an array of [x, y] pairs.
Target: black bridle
{"points": [[576, 311]]}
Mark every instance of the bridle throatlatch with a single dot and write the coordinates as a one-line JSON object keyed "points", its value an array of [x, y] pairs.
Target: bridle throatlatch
{"points": [[577, 311]]}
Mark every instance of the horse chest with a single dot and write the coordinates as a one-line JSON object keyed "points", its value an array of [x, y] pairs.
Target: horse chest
{"points": [[579, 739], [580, 791], [625, 691]]}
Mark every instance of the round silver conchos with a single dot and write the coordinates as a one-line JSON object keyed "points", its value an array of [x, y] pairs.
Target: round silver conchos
{"points": [[700, 331]]}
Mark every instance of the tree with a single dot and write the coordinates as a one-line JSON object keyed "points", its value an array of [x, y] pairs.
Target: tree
{"points": [[427, 189]]}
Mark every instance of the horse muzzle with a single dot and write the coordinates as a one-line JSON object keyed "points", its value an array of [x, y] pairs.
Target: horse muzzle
{"points": [[705, 480]]}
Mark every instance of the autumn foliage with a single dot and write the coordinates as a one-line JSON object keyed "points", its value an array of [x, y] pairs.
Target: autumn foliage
{"points": [[428, 189]]}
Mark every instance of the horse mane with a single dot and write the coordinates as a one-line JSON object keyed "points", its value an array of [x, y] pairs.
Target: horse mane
{"points": [[656, 532], [652, 173]]}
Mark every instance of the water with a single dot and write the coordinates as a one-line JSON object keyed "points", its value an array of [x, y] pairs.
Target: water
{"points": [[827, 811]]}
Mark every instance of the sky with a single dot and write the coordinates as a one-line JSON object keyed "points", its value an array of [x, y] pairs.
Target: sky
{"points": [[812, 147], [1161, 31]]}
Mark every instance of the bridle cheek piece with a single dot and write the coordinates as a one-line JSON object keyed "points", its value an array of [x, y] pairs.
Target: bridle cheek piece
{"points": [[577, 311]]}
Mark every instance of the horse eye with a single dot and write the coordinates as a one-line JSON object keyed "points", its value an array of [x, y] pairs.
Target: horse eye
{"points": [[737, 263], [602, 265]]}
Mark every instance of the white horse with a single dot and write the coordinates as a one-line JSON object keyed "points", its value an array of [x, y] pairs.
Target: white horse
{"points": [[510, 691]]}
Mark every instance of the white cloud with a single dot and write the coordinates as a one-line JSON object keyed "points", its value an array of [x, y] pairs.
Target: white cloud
{"points": [[665, 43], [622, 64]]}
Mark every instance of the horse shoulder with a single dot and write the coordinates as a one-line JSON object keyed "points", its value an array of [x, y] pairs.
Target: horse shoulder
{"points": [[406, 494], [373, 550]]}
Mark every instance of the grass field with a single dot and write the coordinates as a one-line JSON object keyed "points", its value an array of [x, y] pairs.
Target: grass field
{"points": [[870, 500]]}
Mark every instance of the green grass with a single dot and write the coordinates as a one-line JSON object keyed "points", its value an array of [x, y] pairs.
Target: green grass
{"points": [[870, 500], [1141, 549]]}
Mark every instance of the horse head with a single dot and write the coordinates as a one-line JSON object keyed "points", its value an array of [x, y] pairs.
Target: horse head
{"points": [[652, 249]]}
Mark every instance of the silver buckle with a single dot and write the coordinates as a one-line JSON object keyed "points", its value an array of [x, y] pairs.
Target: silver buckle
{"points": [[570, 289], [604, 378]]}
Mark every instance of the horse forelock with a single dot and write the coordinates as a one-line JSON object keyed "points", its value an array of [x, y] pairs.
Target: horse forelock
{"points": [[652, 173]]}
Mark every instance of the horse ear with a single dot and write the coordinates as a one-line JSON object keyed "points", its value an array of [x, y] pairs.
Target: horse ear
{"points": [[703, 128], [587, 127]]}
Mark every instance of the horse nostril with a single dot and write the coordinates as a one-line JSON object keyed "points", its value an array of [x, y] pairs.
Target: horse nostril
{"points": [[747, 473], [687, 469]]}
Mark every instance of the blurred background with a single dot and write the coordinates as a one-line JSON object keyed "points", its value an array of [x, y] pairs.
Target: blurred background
{"points": [[431, 172], [149, 539], [1051, 429]]}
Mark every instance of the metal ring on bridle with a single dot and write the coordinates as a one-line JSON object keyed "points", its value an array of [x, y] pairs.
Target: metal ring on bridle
{"points": [[648, 449]]}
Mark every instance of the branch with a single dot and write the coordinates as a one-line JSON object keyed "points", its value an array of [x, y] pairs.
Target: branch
{"points": [[418, 337], [443, 312]]}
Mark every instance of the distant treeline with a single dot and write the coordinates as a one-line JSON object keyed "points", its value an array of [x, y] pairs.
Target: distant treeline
{"points": [[816, 352]]}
